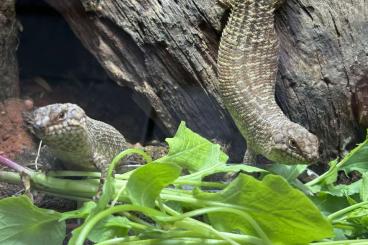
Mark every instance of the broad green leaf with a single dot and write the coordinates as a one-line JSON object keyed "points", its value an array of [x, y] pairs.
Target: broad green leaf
{"points": [[328, 203], [288, 172], [343, 190], [191, 151], [357, 159], [339, 190], [23, 223], [83, 212], [332, 177], [146, 183], [111, 227], [285, 214]]}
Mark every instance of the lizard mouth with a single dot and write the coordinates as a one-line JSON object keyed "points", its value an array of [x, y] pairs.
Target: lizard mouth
{"points": [[35, 128], [313, 157], [296, 158]]}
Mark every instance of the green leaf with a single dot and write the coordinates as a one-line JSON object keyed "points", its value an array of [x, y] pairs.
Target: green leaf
{"points": [[111, 227], [285, 214], [357, 159], [191, 151], [23, 223], [287, 171], [343, 190], [333, 173], [328, 203], [146, 183], [359, 220]]}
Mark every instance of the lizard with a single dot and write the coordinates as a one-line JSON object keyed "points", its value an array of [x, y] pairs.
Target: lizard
{"points": [[80, 142], [247, 70]]}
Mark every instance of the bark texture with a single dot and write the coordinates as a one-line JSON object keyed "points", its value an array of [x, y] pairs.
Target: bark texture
{"points": [[166, 50], [9, 86]]}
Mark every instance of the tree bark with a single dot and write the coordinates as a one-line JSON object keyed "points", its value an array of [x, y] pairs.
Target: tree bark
{"points": [[9, 81], [166, 50]]}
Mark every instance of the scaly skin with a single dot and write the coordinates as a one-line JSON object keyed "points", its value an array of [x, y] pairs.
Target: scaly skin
{"points": [[247, 68], [81, 142]]}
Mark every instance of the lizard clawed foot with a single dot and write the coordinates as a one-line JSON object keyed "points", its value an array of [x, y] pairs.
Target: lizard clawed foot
{"points": [[98, 194], [26, 181], [101, 164], [226, 3]]}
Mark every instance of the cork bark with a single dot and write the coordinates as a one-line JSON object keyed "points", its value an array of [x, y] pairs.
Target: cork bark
{"points": [[166, 51]]}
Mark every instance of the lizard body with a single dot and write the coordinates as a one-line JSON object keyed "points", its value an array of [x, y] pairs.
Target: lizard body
{"points": [[247, 69], [81, 142]]}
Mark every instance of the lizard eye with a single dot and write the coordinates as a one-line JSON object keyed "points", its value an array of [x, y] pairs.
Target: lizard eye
{"points": [[293, 144], [61, 115]]}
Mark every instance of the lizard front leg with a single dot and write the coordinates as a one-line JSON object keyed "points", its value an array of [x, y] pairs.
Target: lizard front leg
{"points": [[250, 157], [101, 163]]}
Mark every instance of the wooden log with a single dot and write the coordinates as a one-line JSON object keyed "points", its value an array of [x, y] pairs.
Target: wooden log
{"points": [[166, 50], [9, 81]]}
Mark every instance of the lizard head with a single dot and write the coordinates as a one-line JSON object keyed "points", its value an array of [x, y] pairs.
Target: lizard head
{"points": [[293, 144], [56, 121]]}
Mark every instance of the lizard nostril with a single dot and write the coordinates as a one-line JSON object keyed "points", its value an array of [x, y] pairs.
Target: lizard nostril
{"points": [[38, 128]]}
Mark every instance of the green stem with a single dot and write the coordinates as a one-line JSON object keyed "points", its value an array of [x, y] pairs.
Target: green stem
{"points": [[10, 177], [88, 225], [347, 242], [82, 188], [171, 195], [242, 214], [341, 212], [78, 188], [342, 226], [176, 235], [109, 188], [137, 219], [321, 177], [64, 173], [200, 183], [196, 224], [138, 226], [182, 241], [125, 153]]}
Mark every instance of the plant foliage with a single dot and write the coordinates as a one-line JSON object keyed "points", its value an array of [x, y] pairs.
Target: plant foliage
{"points": [[169, 201]]}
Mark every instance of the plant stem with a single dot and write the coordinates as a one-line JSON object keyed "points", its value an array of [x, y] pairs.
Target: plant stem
{"points": [[176, 235], [185, 240], [193, 222], [10, 177], [341, 212], [242, 214], [200, 183], [13, 165], [68, 173], [88, 225], [346, 242], [125, 153]]}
